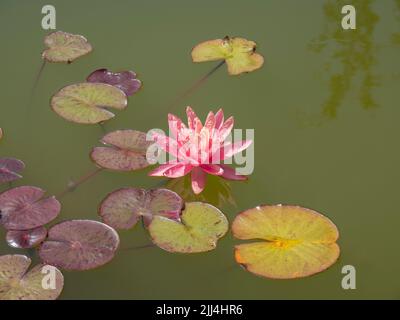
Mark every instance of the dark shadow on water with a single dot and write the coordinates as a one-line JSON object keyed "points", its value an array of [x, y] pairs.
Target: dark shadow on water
{"points": [[218, 191], [352, 55]]}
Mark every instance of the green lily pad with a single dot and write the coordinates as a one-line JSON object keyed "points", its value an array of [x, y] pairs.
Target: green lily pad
{"points": [[290, 241], [17, 283], [123, 208], [65, 47], [239, 54], [125, 151], [201, 226], [86, 103]]}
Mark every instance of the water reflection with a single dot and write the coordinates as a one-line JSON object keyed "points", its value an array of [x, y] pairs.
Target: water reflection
{"points": [[353, 54], [396, 35], [218, 191]]}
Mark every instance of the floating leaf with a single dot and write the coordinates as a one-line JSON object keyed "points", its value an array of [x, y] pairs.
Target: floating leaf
{"points": [[87, 102], [125, 151], [125, 80], [238, 53], [24, 208], [123, 208], [10, 169], [295, 242], [17, 283], [23, 239], [65, 47], [201, 227], [79, 245]]}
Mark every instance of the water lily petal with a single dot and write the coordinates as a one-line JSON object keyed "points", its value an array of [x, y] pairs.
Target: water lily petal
{"points": [[229, 149], [213, 169], [159, 172], [167, 144], [175, 125], [230, 173], [219, 118], [179, 170], [191, 115], [199, 178], [226, 128]]}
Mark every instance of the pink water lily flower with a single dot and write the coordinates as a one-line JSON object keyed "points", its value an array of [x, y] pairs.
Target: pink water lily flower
{"points": [[199, 149]]}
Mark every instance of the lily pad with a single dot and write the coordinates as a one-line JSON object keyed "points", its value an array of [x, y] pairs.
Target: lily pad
{"points": [[199, 230], [65, 47], [238, 53], [86, 103], [24, 208], [10, 169], [125, 151], [123, 208], [24, 239], [79, 245], [17, 283], [125, 80], [292, 242]]}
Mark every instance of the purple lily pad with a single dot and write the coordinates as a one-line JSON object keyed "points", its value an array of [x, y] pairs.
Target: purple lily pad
{"points": [[125, 151], [125, 80], [24, 239], [123, 208], [10, 169], [79, 245], [17, 283], [24, 208]]}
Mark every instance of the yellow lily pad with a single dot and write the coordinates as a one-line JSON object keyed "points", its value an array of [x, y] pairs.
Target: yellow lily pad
{"points": [[65, 47], [199, 230], [19, 283], [294, 242], [238, 53], [87, 103]]}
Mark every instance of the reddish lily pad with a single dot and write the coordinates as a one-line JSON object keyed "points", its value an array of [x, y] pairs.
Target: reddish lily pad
{"points": [[25, 207], [87, 103], [24, 239], [10, 169], [123, 208], [17, 283], [125, 151], [79, 245], [65, 47], [125, 80], [201, 226]]}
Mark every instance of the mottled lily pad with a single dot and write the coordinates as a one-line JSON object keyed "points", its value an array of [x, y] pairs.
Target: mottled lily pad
{"points": [[79, 245], [125, 80], [291, 242], [125, 151], [87, 103], [199, 230], [238, 53], [24, 239], [17, 283], [25, 207], [10, 169], [123, 208], [65, 47]]}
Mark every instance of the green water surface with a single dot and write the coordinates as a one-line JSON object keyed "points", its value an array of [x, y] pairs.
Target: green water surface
{"points": [[325, 109]]}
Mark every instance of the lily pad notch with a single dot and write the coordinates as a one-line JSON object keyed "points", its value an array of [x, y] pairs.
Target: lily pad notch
{"points": [[288, 241]]}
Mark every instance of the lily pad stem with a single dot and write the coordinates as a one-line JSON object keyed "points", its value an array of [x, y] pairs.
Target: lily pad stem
{"points": [[74, 184], [195, 86]]}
